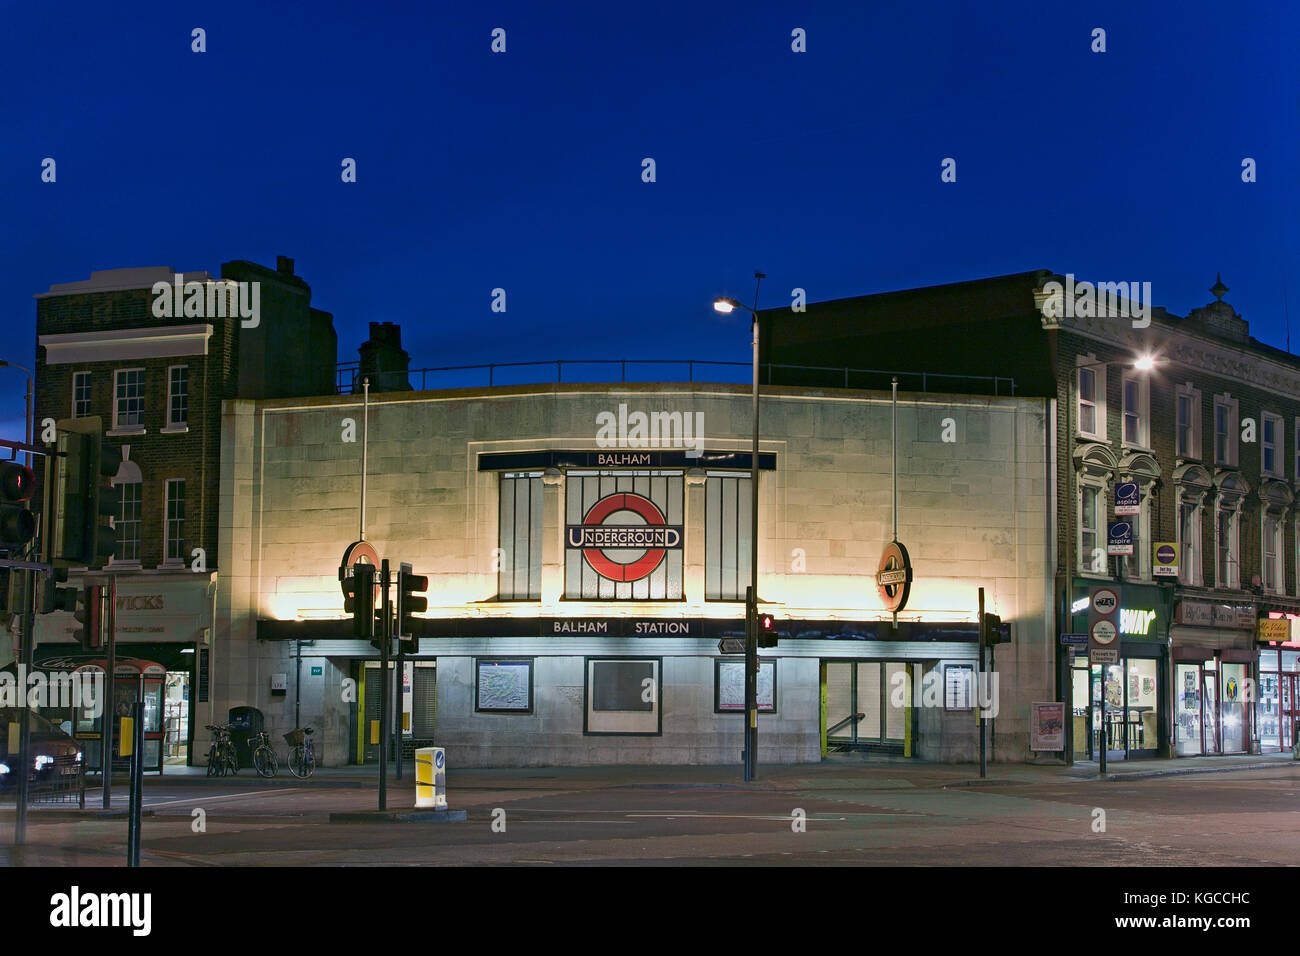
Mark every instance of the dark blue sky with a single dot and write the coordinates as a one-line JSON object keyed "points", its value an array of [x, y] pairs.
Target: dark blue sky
{"points": [[523, 170]]}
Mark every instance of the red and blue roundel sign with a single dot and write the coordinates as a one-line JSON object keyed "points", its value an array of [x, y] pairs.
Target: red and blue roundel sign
{"points": [[624, 537]]}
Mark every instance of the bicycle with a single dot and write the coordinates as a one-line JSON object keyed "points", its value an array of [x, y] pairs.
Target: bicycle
{"points": [[302, 760], [264, 759], [221, 755]]}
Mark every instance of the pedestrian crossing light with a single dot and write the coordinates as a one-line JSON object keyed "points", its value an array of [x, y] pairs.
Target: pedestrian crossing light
{"points": [[410, 588], [17, 523], [89, 613], [995, 632], [85, 506], [766, 631], [356, 587]]}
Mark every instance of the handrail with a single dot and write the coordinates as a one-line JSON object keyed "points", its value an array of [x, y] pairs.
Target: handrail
{"points": [[853, 718], [347, 373]]}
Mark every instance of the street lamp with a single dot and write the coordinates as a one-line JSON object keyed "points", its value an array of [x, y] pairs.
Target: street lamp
{"points": [[726, 305], [1143, 363], [4, 364]]}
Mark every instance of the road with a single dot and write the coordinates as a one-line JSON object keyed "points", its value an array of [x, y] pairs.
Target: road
{"points": [[818, 815]]}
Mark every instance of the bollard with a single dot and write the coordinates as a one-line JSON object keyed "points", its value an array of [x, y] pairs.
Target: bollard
{"points": [[431, 778]]}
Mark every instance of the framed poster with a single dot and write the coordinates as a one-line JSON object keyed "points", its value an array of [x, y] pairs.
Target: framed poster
{"points": [[622, 696], [958, 686], [1047, 725], [729, 686], [503, 686]]}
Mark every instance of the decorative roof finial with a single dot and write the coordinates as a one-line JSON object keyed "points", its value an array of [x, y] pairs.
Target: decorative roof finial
{"points": [[1219, 289]]}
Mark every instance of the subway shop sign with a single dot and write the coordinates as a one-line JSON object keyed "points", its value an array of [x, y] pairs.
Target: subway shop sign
{"points": [[1133, 621]]}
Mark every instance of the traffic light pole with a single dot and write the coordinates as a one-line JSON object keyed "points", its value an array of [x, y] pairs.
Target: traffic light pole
{"points": [[25, 724], [399, 681], [984, 766], [95, 592], [386, 633]]}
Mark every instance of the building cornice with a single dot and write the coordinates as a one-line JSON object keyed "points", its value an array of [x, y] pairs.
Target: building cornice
{"points": [[119, 345]]}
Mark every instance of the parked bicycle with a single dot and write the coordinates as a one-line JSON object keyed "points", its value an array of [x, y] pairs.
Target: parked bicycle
{"points": [[222, 758], [302, 760], [264, 759]]}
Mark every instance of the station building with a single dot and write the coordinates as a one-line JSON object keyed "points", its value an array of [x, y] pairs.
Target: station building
{"points": [[582, 575]]}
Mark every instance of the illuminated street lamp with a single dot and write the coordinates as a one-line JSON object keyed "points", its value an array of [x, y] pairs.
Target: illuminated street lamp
{"points": [[726, 305]]}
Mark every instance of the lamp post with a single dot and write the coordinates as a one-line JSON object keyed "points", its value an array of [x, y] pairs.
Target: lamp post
{"points": [[1144, 364], [727, 305], [4, 364]]}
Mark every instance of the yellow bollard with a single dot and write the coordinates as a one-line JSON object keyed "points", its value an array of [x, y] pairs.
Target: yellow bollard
{"points": [[374, 733], [126, 740]]}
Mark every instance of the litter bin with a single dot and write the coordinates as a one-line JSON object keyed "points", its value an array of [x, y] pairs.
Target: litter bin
{"points": [[245, 724]]}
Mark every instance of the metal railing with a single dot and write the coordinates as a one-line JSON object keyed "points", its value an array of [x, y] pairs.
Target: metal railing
{"points": [[348, 374], [62, 783]]}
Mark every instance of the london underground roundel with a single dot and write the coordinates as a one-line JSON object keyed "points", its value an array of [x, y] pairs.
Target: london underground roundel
{"points": [[624, 537]]}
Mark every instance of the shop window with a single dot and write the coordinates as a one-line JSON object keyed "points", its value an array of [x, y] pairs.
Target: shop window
{"points": [[728, 526], [519, 537]]}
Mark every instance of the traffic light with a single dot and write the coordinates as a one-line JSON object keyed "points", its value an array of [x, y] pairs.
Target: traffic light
{"points": [[995, 632], [410, 587], [17, 523], [82, 502], [766, 630], [356, 586], [88, 609], [54, 598]]}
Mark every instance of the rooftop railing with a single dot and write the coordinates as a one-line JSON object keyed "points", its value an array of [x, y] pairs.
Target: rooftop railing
{"points": [[593, 371]]}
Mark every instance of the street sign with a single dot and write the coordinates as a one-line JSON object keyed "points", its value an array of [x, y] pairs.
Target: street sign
{"points": [[1103, 655], [731, 645], [1074, 639], [1105, 602], [1103, 632]]}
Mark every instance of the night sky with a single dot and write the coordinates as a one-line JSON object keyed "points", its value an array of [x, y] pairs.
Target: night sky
{"points": [[523, 170]]}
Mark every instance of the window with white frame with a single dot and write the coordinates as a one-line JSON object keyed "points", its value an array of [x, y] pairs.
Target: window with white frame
{"points": [[128, 398], [1227, 567], [128, 525], [175, 503], [1092, 418], [1188, 422], [1138, 564], [80, 394], [1189, 543], [1092, 529], [1135, 410], [1297, 449], [1225, 430], [178, 396], [1272, 565], [1270, 445]]}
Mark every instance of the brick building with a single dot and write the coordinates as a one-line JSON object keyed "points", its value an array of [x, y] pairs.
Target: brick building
{"points": [[154, 354], [1197, 433]]}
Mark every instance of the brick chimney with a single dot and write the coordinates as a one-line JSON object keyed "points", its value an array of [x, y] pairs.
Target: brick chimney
{"points": [[384, 360]]}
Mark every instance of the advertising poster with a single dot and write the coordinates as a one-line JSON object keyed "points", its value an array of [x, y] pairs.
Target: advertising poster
{"points": [[1047, 725]]}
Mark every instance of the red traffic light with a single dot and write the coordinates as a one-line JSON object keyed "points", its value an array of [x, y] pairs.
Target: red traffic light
{"points": [[765, 622], [17, 481]]}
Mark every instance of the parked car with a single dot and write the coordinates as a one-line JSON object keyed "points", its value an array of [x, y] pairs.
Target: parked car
{"points": [[53, 751]]}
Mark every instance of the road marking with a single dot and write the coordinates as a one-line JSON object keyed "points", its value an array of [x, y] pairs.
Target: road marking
{"points": [[227, 796]]}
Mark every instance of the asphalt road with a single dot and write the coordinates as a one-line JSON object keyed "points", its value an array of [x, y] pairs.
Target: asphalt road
{"points": [[822, 816]]}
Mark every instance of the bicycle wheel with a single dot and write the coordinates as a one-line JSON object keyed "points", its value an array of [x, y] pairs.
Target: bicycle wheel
{"points": [[213, 763], [309, 762], [232, 761], [297, 762], [264, 761]]}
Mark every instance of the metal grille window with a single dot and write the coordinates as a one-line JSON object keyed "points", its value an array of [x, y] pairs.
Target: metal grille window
{"points": [[727, 537], [178, 397], [643, 573], [175, 519], [128, 525], [128, 391], [424, 700], [81, 395], [519, 538]]}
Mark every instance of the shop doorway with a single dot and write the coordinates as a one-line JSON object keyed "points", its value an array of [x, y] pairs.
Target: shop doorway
{"points": [[176, 718], [1130, 728], [1210, 713], [865, 706]]}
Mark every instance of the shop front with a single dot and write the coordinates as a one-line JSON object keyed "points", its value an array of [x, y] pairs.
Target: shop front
{"points": [[1134, 720], [1277, 711], [1213, 673], [160, 618]]}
